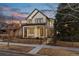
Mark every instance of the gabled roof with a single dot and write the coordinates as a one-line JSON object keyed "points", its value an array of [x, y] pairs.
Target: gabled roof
{"points": [[35, 12], [49, 13], [3, 26]]}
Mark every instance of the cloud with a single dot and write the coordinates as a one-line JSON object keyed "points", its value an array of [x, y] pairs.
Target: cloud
{"points": [[5, 8], [15, 14], [11, 12]]}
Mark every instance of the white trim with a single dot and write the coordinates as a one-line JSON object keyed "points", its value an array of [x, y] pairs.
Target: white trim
{"points": [[23, 31], [46, 32]]}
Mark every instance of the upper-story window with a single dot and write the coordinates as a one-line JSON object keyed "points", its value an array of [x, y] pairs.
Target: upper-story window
{"points": [[38, 20]]}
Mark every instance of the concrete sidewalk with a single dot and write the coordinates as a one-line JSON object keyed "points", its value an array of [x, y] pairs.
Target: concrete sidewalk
{"points": [[35, 50]]}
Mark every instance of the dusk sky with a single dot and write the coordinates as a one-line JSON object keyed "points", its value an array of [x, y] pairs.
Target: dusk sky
{"points": [[20, 9]]}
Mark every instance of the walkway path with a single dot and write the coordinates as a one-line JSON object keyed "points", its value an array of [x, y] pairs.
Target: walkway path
{"points": [[39, 47], [35, 50]]}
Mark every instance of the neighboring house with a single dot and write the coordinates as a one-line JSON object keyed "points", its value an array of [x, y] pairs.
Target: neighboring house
{"points": [[3, 27], [9, 29], [38, 25], [3, 30]]}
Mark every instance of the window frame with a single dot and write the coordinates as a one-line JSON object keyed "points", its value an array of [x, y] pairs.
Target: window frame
{"points": [[38, 20]]}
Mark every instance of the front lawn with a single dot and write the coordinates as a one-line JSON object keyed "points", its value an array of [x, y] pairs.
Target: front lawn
{"points": [[57, 52], [19, 49]]}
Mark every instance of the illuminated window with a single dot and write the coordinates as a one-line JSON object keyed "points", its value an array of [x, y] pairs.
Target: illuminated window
{"points": [[41, 31], [31, 30]]}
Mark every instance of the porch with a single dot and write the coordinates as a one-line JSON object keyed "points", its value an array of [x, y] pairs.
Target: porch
{"points": [[34, 32]]}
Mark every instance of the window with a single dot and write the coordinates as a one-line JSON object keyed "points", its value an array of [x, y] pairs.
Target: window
{"points": [[31, 30], [38, 20]]}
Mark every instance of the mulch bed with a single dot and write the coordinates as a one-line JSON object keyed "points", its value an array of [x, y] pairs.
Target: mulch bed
{"points": [[27, 41], [57, 52]]}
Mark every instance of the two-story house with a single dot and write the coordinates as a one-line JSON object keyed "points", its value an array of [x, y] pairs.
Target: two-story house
{"points": [[38, 25]]}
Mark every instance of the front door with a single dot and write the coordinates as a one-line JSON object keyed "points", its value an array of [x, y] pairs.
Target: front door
{"points": [[42, 32]]}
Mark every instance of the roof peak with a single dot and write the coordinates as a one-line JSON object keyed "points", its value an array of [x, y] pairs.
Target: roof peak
{"points": [[37, 10]]}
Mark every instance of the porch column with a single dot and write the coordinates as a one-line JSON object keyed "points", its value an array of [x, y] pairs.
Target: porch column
{"points": [[23, 32], [46, 32]]}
